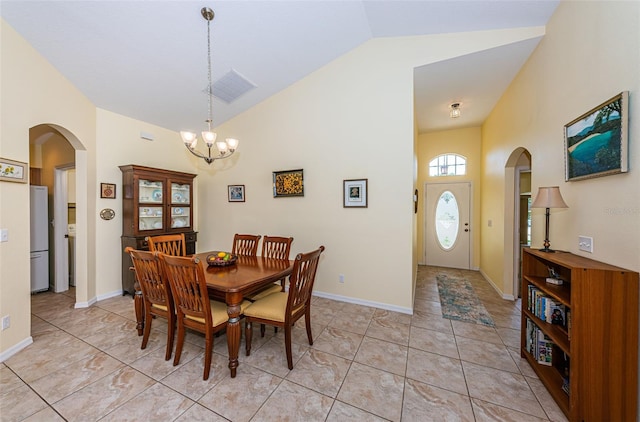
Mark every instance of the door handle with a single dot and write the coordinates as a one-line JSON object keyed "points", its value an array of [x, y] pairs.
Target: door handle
{"points": [[66, 236]]}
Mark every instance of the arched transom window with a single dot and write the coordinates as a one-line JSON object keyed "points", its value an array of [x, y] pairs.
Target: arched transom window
{"points": [[448, 165]]}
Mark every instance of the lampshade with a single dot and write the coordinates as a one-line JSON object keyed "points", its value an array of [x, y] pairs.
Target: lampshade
{"points": [[549, 197]]}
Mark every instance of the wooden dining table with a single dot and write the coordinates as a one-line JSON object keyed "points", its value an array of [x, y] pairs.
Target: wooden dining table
{"points": [[233, 282]]}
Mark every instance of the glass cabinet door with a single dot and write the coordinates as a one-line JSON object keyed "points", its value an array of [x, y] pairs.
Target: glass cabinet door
{"points": [[150, 201], [180, 205], [180, 217], [180, 194]]}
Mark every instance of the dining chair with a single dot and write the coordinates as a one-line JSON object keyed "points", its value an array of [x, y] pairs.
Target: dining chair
{"points": [[170, 244], [245, 244], [282, 309], [194, 309], [156, 294], [274, 247]]}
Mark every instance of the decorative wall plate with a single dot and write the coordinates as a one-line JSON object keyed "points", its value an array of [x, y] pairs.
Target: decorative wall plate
{"points": [[107, 214]]}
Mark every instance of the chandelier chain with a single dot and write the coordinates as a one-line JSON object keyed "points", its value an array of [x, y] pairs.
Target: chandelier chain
{"points": [[209, 87]]}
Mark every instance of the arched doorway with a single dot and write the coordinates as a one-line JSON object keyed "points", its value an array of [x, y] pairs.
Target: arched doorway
{"points": [[516, 217], [54, 149]]}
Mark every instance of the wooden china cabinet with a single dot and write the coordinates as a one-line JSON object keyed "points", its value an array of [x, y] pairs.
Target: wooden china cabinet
{"points": [[155, 202]]}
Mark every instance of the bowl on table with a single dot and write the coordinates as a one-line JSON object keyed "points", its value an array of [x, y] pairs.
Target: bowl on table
{"points": [[221, 259]]}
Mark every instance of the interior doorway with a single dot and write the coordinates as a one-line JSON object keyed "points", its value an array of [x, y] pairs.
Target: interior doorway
{"points": [[53, 154], [517, 221]]}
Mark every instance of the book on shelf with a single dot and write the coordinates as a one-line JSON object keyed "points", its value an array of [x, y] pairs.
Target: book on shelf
{"points": [[565, 376], [531, 337], [545, 349], [546, 308], [568, 322], [558, 315]]}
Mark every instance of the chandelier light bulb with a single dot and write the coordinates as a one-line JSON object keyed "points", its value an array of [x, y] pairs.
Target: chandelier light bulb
{"points": [[233, 144], [188, 137]]}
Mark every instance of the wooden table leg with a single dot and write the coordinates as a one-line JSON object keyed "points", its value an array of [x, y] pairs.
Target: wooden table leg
{"points": [[233, 330], [139, 308]]}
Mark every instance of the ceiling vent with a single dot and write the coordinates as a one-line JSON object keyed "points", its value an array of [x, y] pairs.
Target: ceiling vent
{"points": [[231, 86]]}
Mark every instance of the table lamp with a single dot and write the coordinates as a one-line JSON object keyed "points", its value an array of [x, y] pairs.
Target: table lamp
{"points": [[548, 197]]}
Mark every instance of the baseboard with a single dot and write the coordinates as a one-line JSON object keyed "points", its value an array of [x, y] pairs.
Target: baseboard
{"points": [[96, 299], [372, 304], [110, 295], [79, 305], [495, 287], [15, 349]]}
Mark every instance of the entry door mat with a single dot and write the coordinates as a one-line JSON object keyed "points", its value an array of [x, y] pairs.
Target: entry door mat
{"points": [[459, 301]]}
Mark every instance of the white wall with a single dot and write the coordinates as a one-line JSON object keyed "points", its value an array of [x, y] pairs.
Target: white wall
{"points": [[591, 52], [119, 143], [32, 92], [335, 124], [351, 119]]}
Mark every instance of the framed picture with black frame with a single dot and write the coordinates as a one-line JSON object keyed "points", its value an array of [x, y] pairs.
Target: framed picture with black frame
{"points": [[596, 143], [236, 193], [288, 183]]}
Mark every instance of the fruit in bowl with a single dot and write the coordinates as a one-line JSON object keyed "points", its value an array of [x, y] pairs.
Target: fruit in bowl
{"points": [[221, 258]]}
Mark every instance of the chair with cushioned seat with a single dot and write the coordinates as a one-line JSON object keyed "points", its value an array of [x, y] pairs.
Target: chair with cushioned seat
{"points": [[194, 309], [170, 244], [245, 244], [156, 294], [282, 309], [275, 247]]}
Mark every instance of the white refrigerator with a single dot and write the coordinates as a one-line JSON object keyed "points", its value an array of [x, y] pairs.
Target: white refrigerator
{"points": [[39, 239]]}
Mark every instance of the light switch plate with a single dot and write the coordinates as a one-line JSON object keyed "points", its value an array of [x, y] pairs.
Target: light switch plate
{"points": [[585, 243], [4, 235]]}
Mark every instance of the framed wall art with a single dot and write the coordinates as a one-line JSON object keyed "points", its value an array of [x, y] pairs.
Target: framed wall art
{"points": [[236, 193], [596, 143], [13, 171], [108, 190], [355, 193], [288, 183]]}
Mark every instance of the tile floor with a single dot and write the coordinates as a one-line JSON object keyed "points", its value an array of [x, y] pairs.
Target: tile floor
{"points": [[366, 364]]}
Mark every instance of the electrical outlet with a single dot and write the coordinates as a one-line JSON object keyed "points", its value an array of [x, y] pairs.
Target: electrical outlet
{"points": [[6, 322], [585, 243], [341, 278]]}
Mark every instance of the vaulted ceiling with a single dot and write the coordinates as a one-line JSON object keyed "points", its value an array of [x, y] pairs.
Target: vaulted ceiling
{"points": [[148, 59]]}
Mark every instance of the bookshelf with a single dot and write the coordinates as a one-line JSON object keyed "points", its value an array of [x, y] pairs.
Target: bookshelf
{"points": [[595, 346]]}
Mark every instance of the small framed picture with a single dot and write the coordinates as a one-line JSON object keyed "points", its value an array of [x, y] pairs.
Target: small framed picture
{"points": [[108, 190], [236, 193], [355, 193], [13, 171], [288, 183]]}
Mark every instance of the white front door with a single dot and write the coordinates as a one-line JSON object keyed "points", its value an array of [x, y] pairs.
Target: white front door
{"points": [[447, 240]]}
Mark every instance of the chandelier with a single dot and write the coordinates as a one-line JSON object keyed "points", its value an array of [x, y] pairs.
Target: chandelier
{"points": [[223, 149]]}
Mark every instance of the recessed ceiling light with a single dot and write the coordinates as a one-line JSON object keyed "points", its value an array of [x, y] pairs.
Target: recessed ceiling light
{"points": [[455, 110]]}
